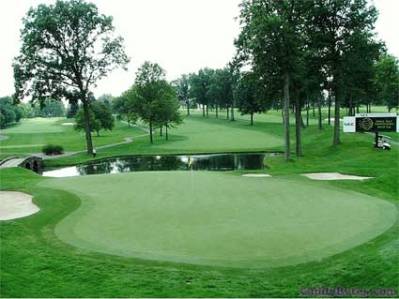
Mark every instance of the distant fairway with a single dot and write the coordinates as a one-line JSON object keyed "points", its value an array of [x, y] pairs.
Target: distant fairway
{"points": [[217, 218], [37, 125], [29, 136]]}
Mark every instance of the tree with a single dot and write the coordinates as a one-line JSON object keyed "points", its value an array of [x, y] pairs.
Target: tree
{"points": [[80, 120], [124, 107], [107, 99], [73, 109], [167, 108], [335, 27], [66, 48], [248, 95], [386, 81], [359, 71], [220, 91], [103, 113], [272, 42], [200, 84], [147, 93], [183, 91], [101, 118], [9, 112], [49, 108]]}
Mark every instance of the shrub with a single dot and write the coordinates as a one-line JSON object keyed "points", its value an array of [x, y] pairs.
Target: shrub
{"points": [[51, 149]]}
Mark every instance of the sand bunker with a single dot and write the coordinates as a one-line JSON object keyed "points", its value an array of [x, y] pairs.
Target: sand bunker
{"points": [[257, 175], [332, 176], [68, 124], [16, 205]]}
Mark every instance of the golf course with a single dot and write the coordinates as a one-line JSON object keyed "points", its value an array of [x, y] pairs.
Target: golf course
{"points": [[224, 231], [199, 149]]}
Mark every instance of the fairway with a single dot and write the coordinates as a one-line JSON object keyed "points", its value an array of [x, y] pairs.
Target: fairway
{"points": [[30, 135], [218, 219]]}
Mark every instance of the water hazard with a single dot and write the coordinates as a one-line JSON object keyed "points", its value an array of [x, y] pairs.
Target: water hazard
{"points": [[213, 162]]}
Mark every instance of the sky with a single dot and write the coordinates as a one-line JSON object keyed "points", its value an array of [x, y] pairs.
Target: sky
{"points": [[181, 35]]}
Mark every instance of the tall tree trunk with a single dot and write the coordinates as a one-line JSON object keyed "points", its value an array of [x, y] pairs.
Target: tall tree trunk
{"points": [[217, 111], [329, 109], [166, 132], [207, 111], [89, 141], [228, 114], [151, 139], [298, 127], [350, 106], [188, 107], [313, 109], [203, 110], [302, 122], [307, 113], [232, 112], [252, 118], [160, 131], [320, 115], [286, 117], [337, 128]]}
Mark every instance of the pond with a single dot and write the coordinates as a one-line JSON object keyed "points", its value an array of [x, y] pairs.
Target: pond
{"points": [[213, 162]]}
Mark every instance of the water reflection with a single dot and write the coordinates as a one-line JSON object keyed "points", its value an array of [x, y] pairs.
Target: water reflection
{"points": [[216, 162]]}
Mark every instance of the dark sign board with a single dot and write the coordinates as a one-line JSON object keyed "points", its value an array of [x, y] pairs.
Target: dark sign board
{"points": [[376, 124]]}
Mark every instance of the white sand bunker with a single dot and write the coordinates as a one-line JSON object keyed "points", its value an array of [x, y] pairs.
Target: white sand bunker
{"points": [[257, 175], [16, 205], [68, 124], [332, 176]]}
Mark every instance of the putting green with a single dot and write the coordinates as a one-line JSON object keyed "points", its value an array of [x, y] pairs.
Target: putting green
{"points": [[221, 219]]}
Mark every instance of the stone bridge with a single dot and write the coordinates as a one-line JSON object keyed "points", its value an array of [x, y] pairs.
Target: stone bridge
{"points": [[33, 163]]}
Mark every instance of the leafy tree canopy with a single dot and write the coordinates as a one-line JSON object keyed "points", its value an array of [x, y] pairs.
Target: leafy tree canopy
{"points": [[66, 48]]}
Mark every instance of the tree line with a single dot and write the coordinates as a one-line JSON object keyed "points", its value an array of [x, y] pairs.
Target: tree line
{"points": [[300, 50], [290, 55], [9, 113], [225, 89]]}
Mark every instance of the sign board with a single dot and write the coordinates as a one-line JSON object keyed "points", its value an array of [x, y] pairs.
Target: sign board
{"points": [[349, 124], [372, 122]]}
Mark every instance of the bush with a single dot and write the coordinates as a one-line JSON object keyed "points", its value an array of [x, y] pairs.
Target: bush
{"points": [[51, 149]]}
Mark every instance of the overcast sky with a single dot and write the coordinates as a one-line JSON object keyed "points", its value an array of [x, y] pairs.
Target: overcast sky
{"points": [[181, 35]]}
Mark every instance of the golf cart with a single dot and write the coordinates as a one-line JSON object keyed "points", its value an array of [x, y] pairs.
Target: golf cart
{"points": [[383, 142]]}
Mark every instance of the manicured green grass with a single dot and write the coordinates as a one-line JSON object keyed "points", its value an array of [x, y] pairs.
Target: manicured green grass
{"points": [[198, 135], [34, 262], [30, 135], [39, 126], [218, 219]]}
